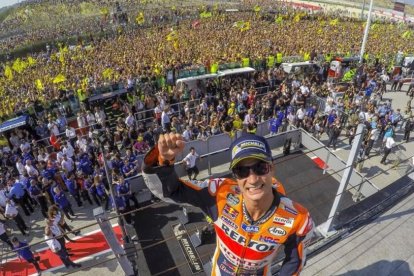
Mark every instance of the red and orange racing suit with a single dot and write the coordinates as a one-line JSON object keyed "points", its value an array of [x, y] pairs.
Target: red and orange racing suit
{"points": [[244, 247]]}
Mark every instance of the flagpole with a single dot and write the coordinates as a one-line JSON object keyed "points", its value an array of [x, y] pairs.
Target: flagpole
{"points": [[364, 41]]}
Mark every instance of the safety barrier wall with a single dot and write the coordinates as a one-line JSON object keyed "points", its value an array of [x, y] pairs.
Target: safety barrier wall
{"points": [[214, 152]]}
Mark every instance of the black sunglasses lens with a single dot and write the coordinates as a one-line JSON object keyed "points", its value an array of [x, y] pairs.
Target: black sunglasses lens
{"points": [[241, 172], [260, 168]]}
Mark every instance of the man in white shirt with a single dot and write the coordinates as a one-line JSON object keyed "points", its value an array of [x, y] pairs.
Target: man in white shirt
{"points": [[53, 127], [190, 163], [187, 134], [20, 166], [90, 118], [68, 165], [30, 169], [300, 115], [100, 116], [82, 144], [68, 150], [165, 120], [70, 133], [389, 144], [130, 120]]}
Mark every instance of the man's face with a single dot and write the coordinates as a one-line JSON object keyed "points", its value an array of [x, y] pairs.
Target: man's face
{"points": [[254, 187]]}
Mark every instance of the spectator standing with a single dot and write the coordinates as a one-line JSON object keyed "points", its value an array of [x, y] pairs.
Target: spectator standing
{"points": [[17, 192], [70, 133], [334, 134], [389, 144], [56, 247], [409, 125], [73, 188], [68, 165], [62, 201], [12, 213], [123, 190], [165, 120], [23, 251], [190, 164], [35, 191], [3, 235]]}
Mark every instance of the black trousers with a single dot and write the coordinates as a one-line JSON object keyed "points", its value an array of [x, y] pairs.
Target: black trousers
{"points": [[387, 151], [20, 224], [25, 204], [6, 239], [35, 263]]}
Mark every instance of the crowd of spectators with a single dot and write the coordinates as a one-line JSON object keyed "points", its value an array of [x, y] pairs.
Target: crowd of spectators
{"points": [[148, 54]]}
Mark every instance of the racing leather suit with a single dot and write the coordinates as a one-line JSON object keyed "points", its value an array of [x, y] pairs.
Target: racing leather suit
{"points": [[244, 247]]}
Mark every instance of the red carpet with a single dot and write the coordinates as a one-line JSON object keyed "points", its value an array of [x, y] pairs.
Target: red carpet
{"points": [[83, 247]]}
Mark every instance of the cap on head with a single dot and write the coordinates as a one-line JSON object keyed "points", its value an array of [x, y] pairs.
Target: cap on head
{"points": [[250, 146]]}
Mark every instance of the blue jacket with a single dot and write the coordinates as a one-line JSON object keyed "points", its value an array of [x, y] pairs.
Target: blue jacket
{"points": [[61, 200], [16, 190], [24, 253], [71, 185]]}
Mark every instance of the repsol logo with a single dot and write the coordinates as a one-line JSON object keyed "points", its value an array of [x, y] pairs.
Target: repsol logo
{"points": [[261, 247]]}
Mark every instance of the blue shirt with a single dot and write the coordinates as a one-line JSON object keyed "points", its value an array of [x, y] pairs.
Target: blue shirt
{"points": [[100, 189], [61, 200], [120, 203], [85, 166], [34, 190], [71, 185], [16, 190], [48, 173], [273, 126], [122, 189], [25, 252]]}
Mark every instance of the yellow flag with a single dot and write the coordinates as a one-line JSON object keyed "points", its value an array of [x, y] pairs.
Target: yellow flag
{"points": [[257, 8], [176, 45], [84, 83], [31, 61], [306, 56], [278, 19], [59, 78], [108, 73], [246, 26], [296, 18], [173, 8], [8, 73], [279, 57], [407, 34], [246, 62], [374, 26], [239, 24], [140, 18], [320, 31], [104, 11], [172, 36], [214, 68], [19, 65], [205, 14], [39, 85], [333, 22]]}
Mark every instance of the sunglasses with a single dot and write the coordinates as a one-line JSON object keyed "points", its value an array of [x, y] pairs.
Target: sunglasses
{"points": [[260, 168]]}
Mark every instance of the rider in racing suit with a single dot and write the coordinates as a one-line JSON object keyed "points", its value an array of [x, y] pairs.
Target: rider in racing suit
{"points": [[244, 246]]}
